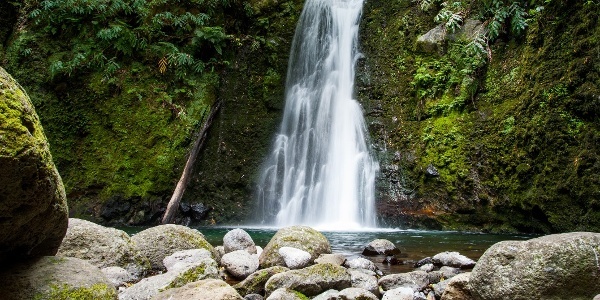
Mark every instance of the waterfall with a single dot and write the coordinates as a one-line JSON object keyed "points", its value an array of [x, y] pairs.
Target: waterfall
{"points": [[320, 172]]}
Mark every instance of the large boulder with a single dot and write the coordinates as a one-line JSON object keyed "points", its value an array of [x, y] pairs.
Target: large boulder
{"points": [[294, 258], [286, 294], [103, 247], [33, 206], [240, 263], [52, 277], [560, 266], [208, 289], [238, 239], [301, 237], [149, 287], [311, 281], [361, 279], [255, 283], [181, 259], [158, 242]]}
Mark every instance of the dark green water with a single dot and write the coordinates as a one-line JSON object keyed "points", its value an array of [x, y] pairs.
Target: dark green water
{"points": [[414, 244]]}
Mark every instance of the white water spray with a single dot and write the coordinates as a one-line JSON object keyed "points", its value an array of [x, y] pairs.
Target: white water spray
{"points": [[320, 172]]}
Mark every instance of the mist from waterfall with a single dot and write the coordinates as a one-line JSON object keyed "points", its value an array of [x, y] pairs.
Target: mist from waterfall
{"points": [[320, 172]]}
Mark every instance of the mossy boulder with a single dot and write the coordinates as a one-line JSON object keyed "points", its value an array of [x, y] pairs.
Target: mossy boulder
{"points": [[158, 242], [560, 266], [55, 278], [255, 283], [311, 281], [300, 237], [33, 206], [103, 247], [208, 289]]}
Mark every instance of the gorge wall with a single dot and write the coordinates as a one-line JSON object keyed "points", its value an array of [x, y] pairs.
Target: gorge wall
{"points": [[508, 145]]}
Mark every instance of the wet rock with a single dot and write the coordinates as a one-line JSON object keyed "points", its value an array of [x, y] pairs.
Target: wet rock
{"points": [[380, 247], [158, 242], [453, 259], [336, 259], [402, 293], [416, 280], [255, 282], [360, 263], [301, 237], [240, 263], [457, 288], [364, 280], [286, 294], [238, 239], [33, 204], [52, 277], [559, 266], [181, 259], [354, 293], [103, 247], [312, 280], [208, 289], [391, 260], [424, 261], [294, 258], [199, 211]]}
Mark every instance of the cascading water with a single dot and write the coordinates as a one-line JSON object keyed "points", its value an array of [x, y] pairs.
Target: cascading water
{"points": [[320, 172]]}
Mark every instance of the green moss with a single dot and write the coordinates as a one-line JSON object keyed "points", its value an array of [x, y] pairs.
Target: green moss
{"points": [[65, 292], [188, 276], [300, 295]]}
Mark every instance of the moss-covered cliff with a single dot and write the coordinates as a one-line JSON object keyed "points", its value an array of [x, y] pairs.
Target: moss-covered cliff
{"points": [[519, 152]]}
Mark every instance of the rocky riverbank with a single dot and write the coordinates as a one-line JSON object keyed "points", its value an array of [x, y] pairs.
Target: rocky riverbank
{"points": [[176, 262]]}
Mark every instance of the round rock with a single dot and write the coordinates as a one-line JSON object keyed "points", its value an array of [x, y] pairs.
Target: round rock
{"points": [[380, 247], [360, 263], [402, 293], [208, 289], [294, 258], [240, 263], [158, 242], [457, 288], [453, 259], [238, 239], [301, 237]]}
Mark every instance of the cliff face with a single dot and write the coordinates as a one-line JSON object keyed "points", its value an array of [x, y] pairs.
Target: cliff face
{"points": [[519, 153], [507, 142]]}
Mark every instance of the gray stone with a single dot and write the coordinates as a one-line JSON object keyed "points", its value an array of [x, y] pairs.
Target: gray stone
{"points": [[433, 41], [103, 247], [361, 279], [301, 237], [424, 261], [158, 242], [253, 297], [402, 293], [181, 259], [440, 287], [560, 266], [380, 247], [255, 283], [152, 286], [312, 280], [597, 297], [416, 280], [360, 263], [240, 263], [457, 288], [354, 293], [286, 294], [118, 276], [208, 289], [449, 272], [294, 258], [453, 259], [238, 239], [219, 251], [436, 276], [336, 259], [49, 277], [33, 204]]}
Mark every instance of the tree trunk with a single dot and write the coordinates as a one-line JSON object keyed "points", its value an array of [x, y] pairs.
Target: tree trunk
{"points": [[187, 170]]}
